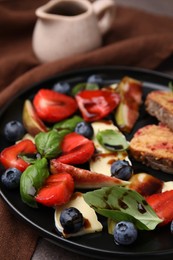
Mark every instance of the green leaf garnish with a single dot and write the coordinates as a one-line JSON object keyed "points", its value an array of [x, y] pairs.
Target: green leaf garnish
{"points": [[49, 144], [68, 124], [112, 140], [84, 86], [30, 158], [31, 180], [120, 203]]}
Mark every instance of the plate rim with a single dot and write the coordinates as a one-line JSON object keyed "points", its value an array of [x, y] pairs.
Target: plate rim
{"points": [[84, 70], [48, 233]]}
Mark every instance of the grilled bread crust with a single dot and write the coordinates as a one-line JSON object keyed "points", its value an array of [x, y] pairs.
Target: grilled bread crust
{"points": [[160, 104], [153, 146]]}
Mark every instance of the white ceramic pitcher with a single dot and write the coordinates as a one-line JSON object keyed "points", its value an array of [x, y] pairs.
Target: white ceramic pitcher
{"points": [[68, 27]]}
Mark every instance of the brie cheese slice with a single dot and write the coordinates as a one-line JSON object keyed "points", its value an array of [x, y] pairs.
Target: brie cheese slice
{"points": [[102, 160], [168, 185], [91, 223]]}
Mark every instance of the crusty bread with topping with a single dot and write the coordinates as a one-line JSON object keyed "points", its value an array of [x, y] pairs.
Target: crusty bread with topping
{"points": [[160, 104], [153, 145]]}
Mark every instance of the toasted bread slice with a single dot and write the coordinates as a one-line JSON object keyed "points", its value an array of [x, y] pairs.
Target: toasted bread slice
{"points": [[153, 145], [160, 104]]}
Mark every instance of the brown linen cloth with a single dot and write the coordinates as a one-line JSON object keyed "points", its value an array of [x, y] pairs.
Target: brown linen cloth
{"points": [[136, 39]]}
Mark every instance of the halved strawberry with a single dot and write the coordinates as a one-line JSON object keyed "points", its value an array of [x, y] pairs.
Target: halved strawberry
{"points": [[162, 205], [10, 156], [57, 190], [85, 179], [52, 106], [76, 149]]}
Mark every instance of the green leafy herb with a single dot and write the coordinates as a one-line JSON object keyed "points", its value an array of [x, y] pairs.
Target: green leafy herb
{"points": [[49, 144], [30, 158], [31, 180], [112, 140], [84, 86], [68, 124], [119, 203]]}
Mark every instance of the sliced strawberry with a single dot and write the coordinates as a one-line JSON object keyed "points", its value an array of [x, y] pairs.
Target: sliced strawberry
{"points": [[57, 190], [52, 106], [96, 104], [85, 179], [10, 156], [162, 205], [76, 149]]}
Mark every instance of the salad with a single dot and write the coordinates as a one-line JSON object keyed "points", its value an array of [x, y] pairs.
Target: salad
{"points": [[70, 153]]}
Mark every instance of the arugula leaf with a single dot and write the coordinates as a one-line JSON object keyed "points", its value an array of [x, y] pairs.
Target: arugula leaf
{"points": [[49, 144], [120, 203], [112, 140]]}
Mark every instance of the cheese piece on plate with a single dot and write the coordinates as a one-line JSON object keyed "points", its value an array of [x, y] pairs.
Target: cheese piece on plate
{"points": [[91, 223], [100, 126], [168, 185], [102, 160]]}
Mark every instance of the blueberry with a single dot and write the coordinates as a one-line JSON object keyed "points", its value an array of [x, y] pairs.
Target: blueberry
{"points": [[121, 169], [95, 79], [71, 220], [85, 129], [62, 87], [14, 131], [11, 178], [125, 233], [171, 227]]}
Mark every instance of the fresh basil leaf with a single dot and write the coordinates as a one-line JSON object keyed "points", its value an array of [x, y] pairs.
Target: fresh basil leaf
{"points": [[49, 144], [92, 86], [63, 132], [112, 140], [68, 124], [120, 203], [84, 86], [31, 180], [30, 158]]}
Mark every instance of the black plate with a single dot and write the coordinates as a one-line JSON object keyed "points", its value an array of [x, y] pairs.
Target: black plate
{"points": [[155, 244]]}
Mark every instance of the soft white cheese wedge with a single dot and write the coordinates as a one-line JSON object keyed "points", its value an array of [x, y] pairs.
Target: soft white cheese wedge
{"points": [[113, 86], [102, 160], [100, 126], [30, 137], [91, 223], [27, 136], [168, 185]]}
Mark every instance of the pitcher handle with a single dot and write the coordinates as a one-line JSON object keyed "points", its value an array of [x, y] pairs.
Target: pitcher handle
{"points": [[105, 12]]}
